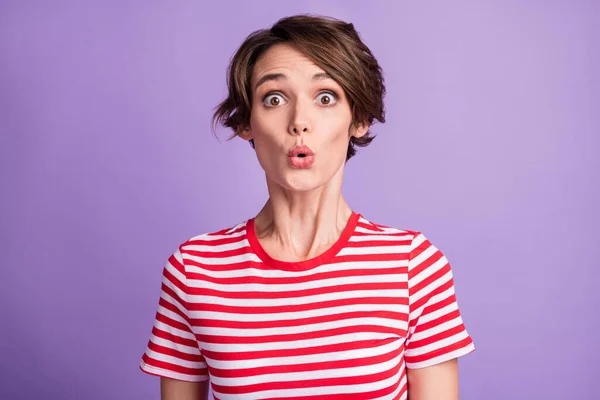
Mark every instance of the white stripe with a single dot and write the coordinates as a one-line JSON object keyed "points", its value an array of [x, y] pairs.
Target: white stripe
{"points": [[316, 391], [413, 352], [453, 323], [274, 273], [177, 346], [236, 227], [443, 357], [357, 371], [169, 299], [427, 290], [425, 254], [401, 249], [209, 237], [171, 374], [380, 237], [308, 329], [417, 240], [216, 248], [392, 396], [427, 272], [173, 360], [223, 316], [256, 302], [293, 344], [305, 359], [450, 308], [224, 260], [170, 314], [175, 272], [287, 287], [174, 331], [385, 231]]}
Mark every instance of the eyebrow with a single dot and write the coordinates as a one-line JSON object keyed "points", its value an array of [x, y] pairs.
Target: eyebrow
{"points": [[275, 77]]}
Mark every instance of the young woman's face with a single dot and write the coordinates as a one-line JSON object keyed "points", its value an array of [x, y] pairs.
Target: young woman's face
{"points": [[300, 120]]}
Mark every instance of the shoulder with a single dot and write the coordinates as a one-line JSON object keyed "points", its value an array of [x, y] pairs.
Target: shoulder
{"points": [[415, 241], [217, 241], [368, 227]]}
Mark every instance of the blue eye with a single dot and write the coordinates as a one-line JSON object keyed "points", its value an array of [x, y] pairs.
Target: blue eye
{"points": [[327, 98], [273, 100]]}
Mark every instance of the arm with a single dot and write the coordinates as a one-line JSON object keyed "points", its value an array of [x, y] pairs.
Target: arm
{"points": [[172, 389], [437, 382]]}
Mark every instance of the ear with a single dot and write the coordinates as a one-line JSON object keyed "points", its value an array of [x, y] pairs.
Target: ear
{"points": [[360, 130], [246, 133]]}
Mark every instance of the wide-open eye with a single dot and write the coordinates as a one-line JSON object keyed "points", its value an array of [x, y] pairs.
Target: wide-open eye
{"points": [[273, 100], [327, 98]]}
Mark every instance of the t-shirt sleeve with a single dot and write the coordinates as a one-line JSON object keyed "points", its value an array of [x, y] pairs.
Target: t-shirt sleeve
{"points": [[172, 350], [436, 332]]}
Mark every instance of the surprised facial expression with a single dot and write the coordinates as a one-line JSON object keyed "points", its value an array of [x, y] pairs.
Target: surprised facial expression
{"points": [[300, 120]]}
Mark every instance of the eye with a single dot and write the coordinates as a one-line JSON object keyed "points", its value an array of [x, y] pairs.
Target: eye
{"points": [[273, 100], [327, 98]]}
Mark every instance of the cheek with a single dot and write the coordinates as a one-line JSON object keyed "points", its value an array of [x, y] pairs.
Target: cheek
{"points": [[338, 129], [265, 124]]}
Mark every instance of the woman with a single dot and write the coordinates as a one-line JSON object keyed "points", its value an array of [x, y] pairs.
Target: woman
{"points": [[309, 299]]}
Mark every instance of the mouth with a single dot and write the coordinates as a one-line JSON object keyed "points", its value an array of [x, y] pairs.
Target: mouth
{"points": [[301, 151], [301, 157]]}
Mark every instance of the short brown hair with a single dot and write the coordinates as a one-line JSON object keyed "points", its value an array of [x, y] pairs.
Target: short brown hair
{"points": [[334, 46]]}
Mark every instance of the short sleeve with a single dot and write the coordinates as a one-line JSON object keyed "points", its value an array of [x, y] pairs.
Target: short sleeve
{"points": [[436, 332], [172, 350]]}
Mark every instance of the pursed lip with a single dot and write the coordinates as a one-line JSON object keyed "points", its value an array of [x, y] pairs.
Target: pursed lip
{"points": [[301, 157], [300, 150]]}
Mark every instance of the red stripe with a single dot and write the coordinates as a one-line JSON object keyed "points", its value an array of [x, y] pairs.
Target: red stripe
{"points": [[176, 264], [425, 264], [174, 367], [324, 382], [172, 307], [369, 257], [286, 323], [290, 280], [221, 253], [366, 345], [173, 338], [290, 308], [304, 367], [438, 321], [175, 353], [378, 243], [425, 299], [212, 242], [172, 323], [439, 352], [294, 294], [230, 267], [436, 338], [288, 337]]}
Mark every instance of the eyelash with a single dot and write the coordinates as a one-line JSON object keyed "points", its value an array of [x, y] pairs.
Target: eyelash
{"points": [[329, 92]]}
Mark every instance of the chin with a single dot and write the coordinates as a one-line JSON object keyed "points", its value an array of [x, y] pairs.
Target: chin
{"points": [[299, 181], [302, 183]]}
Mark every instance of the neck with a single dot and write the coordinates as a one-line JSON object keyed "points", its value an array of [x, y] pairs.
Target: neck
{"points": [[295, 226]]}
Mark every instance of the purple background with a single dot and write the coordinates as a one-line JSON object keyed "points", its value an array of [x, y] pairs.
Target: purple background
{"points": [[108, 164]]}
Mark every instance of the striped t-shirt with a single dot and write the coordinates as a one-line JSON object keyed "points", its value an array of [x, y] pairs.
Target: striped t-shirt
{"points": [[344, 325]]}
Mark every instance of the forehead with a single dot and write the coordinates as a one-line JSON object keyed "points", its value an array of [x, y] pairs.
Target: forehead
{"points": [[286, 59]]}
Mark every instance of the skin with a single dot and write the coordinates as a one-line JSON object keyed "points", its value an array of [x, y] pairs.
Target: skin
{"points": [[306, 212]]}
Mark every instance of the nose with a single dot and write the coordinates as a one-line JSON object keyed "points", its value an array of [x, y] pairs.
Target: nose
{"points": [[300, 119], [297, 128]]}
